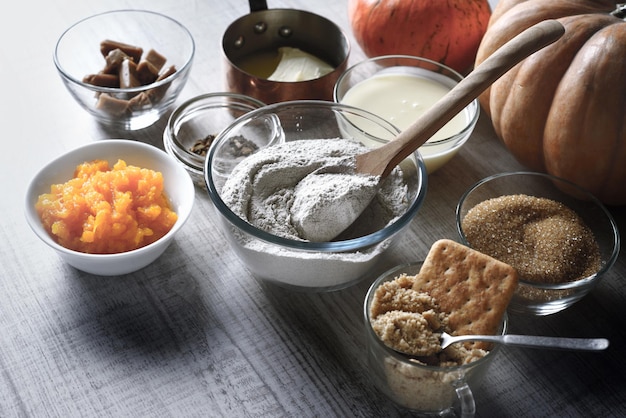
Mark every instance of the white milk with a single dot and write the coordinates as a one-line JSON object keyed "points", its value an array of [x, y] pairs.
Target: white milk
{"points": [[401, 95]]}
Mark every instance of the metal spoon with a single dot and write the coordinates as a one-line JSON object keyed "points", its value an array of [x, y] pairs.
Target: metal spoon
{"points": [[535, 341], [381, 161]]}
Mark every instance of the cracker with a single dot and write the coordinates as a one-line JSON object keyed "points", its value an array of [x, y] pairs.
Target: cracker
{"points": [[473, 288]]}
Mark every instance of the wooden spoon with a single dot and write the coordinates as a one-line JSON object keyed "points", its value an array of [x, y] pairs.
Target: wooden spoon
{"points": [[337, 211], [380, 161]]}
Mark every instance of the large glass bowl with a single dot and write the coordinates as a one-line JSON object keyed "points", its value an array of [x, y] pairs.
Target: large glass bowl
{"points": [[296, 264], [77, 55], [532, 297]]}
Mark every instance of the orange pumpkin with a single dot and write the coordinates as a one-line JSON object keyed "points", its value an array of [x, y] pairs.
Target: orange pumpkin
{"points": [[563, 109], [448, 32]]}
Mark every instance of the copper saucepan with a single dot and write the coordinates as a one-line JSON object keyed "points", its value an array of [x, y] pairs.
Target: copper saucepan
{"points": [[266, 30]]}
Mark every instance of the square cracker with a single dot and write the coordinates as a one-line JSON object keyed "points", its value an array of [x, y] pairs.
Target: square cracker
{"points": [[472, 287]]}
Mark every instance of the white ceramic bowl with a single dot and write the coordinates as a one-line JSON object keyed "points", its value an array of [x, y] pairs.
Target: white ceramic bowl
{"points": [[77, 54], [177, 184]]}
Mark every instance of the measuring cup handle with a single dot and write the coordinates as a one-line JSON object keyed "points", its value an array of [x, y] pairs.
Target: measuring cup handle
{"points": [[466, 400]]}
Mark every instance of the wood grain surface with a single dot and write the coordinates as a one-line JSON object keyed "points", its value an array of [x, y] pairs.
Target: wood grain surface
{"points": [[193, 334]]}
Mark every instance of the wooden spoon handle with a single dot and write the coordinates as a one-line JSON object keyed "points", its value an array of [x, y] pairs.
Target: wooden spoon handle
{"points": [[382, 160]]}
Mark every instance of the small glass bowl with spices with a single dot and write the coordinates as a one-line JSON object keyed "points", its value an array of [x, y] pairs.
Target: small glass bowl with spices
{"points": [[194, 124], [561, 239]]}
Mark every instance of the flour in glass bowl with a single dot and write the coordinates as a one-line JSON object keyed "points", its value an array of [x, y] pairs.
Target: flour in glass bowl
{"points": [[262, 190]]}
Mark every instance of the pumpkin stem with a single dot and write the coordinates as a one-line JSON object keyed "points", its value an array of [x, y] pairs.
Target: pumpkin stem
{"points": [[620, 11]]}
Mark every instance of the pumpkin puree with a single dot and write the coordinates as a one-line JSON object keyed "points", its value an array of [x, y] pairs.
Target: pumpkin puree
{"points": [[105, 211]]}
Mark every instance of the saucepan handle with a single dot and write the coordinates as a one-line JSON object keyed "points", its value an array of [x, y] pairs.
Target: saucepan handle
{"points": [[257, 5]]}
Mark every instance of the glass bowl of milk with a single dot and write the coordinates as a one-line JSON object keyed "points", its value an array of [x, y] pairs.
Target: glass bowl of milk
{"points": [[399, 88]]}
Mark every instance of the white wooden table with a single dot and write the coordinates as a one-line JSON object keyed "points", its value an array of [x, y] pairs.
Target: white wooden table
{"points": [[194, 334]]}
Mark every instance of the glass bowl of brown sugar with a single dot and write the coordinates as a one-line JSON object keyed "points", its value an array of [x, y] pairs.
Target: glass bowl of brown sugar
{"points": [[559, 237]]}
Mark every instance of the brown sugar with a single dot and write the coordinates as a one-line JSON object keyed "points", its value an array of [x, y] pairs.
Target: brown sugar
{"points": [[544, 240], [405, 319], [411, 321]]}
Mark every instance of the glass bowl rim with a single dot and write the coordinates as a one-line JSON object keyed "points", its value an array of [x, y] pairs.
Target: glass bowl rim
{"points": [[169, 133], [327, 247], [474, 104], [99, 89]]}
